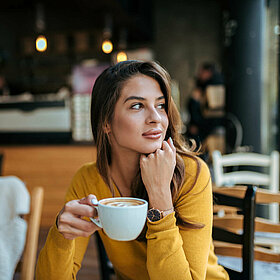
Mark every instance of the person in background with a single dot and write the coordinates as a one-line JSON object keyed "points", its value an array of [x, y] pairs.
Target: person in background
{"points": [[140, 153], [208, 75], [199, 126]]}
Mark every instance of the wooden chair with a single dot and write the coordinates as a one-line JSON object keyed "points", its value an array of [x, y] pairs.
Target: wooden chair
{"points": [[26, 266], [246, 238], [230, 178], [267, 233], [1, 163], [256, 248], [105, 266]]}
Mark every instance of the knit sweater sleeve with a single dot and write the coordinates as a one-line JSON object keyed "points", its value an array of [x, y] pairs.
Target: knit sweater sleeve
{"points": [[175, 252], [61, 258]]}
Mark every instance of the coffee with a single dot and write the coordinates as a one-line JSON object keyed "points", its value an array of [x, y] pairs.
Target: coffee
{"points": [[122, 202]]}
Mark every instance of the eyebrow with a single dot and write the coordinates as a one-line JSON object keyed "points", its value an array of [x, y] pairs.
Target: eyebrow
{"points": [[140, 98]]}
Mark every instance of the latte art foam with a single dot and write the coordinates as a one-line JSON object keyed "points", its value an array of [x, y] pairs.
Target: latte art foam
{"points": [[122, 202]]}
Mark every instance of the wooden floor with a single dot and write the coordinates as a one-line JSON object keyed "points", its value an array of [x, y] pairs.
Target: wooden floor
{"points": [[90, 265]]}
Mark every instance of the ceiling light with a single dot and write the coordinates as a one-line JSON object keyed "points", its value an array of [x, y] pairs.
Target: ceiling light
{"points": [[121, 56], [41, 43], [107, 46]]}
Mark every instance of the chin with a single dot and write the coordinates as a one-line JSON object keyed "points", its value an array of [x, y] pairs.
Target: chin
{"points": [[152, 148]]}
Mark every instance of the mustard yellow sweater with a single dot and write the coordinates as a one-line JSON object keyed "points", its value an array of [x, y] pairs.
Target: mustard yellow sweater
{"points": [[169, 253]]}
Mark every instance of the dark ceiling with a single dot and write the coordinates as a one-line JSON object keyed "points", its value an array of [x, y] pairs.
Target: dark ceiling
{"points": [[135, 16]]}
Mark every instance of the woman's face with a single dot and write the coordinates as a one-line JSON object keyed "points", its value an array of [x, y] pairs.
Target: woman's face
{"points": [[140, 121]]}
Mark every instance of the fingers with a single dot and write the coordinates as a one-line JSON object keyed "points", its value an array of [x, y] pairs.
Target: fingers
{"points": [[142, 158], [143, 161], [76, 208], [171, 144], [168, 146], [71, 232], [89, 200], [70, 222], [75, 222]]}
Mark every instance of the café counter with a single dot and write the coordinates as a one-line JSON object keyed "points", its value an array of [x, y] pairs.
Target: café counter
{"points": [[49, 166]]}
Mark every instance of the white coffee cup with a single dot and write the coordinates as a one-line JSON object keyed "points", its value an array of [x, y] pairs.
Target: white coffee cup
{"points": [[122, 218]]}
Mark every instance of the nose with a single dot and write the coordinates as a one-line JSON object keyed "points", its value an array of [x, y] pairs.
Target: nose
{"points": [[153, 116]]}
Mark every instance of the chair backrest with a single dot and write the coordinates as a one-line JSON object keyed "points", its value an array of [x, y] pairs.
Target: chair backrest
{"points": [[1, 163], [267, 234], [31, 245], [271, 179], [26, 267], [246, 237]]}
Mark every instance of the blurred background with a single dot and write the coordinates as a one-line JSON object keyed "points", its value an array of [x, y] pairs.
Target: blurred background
{"points": [[222, 55], [239, 37]]}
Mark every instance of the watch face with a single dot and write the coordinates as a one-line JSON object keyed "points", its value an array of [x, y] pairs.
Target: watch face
{"points": [[154, 215]]}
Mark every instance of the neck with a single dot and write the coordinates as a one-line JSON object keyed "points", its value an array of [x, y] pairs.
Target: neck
{"points": [[123, 169]]}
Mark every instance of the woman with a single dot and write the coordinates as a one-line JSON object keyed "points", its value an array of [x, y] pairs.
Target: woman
{"points": [[136, 127]]}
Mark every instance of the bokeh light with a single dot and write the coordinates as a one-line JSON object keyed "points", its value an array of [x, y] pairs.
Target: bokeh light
{"points": [[41, 43], [121, 56], [107, 46]]}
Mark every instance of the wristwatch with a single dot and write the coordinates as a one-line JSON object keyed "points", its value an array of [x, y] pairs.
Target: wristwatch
{"points": [[154, 214]]}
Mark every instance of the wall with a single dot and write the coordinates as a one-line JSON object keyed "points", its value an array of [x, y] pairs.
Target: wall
{"points": [[74, 30], [51, 167], [183, 33], [187, 33], [42, 72]]}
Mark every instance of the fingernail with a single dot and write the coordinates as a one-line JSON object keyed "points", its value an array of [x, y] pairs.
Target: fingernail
{"points": [[94, 201], [171, 140]]}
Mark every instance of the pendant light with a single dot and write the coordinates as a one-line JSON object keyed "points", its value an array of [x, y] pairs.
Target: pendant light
{"points": [[41, 40], [107, 45], [121, 55]]}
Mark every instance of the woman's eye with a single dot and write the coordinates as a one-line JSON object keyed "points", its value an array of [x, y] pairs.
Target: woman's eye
{"points": [[161, 106], [136, 106]]}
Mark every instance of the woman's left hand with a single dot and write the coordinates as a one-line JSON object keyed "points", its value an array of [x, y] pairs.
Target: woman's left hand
{"points": [[157, 171]]}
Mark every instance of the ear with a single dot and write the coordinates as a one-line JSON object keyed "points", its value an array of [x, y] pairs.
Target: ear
{"points": [[107, 128]]}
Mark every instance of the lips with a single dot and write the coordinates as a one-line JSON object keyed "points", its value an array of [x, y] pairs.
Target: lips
{"points": [[152, 133]]}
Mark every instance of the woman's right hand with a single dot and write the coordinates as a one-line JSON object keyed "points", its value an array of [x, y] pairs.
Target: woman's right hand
{"points": [[70, 222]]}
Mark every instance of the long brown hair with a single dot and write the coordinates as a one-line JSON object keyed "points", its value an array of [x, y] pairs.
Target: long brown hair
{"points": [[105, 93]]}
